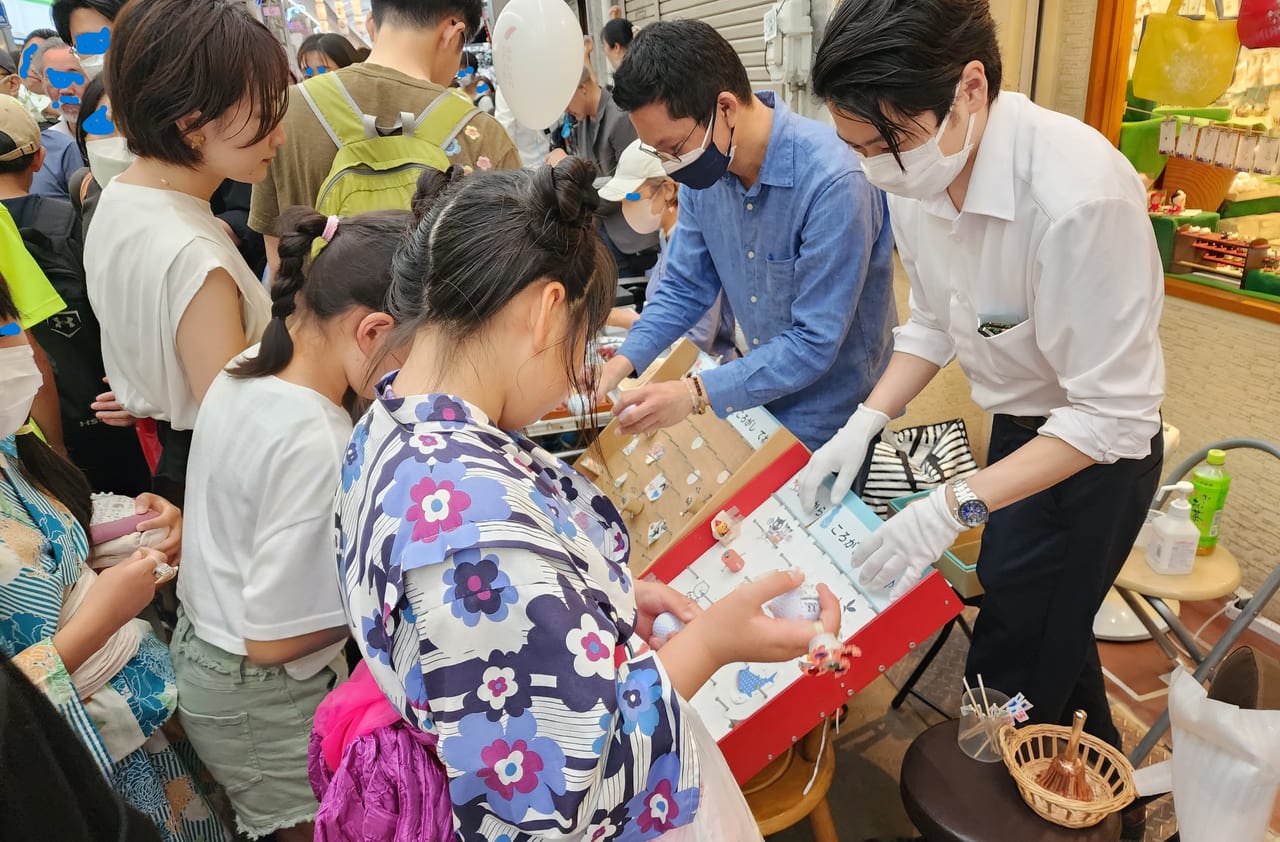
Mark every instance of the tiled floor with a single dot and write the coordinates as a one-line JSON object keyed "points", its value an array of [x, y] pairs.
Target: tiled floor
{"points": [[864, 798]]}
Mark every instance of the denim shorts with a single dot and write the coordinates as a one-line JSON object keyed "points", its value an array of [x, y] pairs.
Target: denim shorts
{"points": [[251, 725]]}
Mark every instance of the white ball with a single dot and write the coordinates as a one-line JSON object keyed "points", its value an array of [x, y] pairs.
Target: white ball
{"points": [[578, 404], [799, 604], [665, 625]]}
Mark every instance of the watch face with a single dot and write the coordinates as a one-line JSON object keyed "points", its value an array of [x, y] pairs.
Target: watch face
{"points": [[973, 512]]}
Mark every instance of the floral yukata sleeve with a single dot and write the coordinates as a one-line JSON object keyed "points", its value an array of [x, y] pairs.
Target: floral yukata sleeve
{"points": [[488, 589]]}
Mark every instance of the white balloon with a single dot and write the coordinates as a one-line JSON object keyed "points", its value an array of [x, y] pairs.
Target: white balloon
{"points": [[538, 56]]}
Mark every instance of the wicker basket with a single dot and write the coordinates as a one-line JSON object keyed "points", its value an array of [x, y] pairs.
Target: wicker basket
{"points": [[1028, 751]]}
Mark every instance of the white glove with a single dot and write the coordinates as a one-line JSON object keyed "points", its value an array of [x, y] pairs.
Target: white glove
{"points": [[909, 542], [842, 456]]}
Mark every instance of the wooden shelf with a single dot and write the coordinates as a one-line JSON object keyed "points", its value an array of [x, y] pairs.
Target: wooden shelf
{"points": [[1224, 261], [1222, 299], [1234, 252]]}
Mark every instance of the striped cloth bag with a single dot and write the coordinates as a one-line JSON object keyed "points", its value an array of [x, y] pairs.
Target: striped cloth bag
{"points": [[917, 459]]}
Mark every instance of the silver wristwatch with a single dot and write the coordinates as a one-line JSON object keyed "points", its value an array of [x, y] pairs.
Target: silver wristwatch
{"points": [[970, 510]]}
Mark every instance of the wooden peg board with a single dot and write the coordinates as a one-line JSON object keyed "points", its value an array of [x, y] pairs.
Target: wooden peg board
{"points": [[702, 461]]}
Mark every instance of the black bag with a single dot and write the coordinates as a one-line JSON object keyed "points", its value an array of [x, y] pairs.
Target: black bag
{"points": [[72, 337], [917, 459]]}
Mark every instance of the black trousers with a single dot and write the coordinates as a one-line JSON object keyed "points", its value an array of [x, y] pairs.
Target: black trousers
{"points": [[1046, 565]]}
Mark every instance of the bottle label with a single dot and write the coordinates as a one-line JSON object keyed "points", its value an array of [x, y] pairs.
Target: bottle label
{"points": [[1213, 526]]}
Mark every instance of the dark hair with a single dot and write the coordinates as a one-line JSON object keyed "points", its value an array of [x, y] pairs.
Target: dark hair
{"points": [[618, 32], [42, 34], [682, 64], [903, 57], [538, 224], [93, 95], [352, 270], [333, 45], [17, 165], [172, 58], [43, 466], [362, 54], [469, 60], [422, 14], [62, 10]]}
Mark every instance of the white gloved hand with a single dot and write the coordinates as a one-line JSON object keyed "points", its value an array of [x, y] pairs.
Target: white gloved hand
{"points": [[909, 542], [842, 456]]}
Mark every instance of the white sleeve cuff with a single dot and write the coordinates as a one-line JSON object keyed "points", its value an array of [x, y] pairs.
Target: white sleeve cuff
{"points": [[1103, 439], [918, 340]]}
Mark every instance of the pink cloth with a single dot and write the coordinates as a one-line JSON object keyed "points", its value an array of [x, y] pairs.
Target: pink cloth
{"points": [[386, 785], [357, 707]]}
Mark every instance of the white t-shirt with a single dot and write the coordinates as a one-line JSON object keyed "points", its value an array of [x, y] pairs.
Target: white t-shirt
{"points": [[146, 255], [258, 555]]}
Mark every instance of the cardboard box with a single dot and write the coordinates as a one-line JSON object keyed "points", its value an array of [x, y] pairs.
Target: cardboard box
{"points": [[960, 563], [769, 707], [703, 461]]}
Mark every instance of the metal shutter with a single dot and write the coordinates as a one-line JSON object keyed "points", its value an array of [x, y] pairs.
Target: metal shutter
{"points": [[739, 21], [641, 12]]}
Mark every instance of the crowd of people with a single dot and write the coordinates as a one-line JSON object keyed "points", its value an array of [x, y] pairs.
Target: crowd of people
{"points": [[272, 543]]}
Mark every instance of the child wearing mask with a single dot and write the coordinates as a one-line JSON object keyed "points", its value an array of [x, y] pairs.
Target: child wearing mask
{"points": [[72, 631], [156, 256], [487, 582], [263, 617], [650, 202]]}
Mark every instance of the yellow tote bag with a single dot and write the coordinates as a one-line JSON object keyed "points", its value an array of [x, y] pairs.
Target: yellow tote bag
{"points": [[1183, 61]]}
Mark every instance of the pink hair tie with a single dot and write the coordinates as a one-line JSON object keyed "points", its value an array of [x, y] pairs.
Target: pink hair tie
{"points": [[330, 228]]}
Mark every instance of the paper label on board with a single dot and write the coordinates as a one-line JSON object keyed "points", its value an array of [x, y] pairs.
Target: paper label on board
{"points": [[1188, 135], [1168, 137], [1244, 153], [1228, 144], [1207, 144], [1266, 156]]}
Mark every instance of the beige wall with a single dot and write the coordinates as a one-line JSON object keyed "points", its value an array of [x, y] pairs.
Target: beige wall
{"points": [[1222, 383]]}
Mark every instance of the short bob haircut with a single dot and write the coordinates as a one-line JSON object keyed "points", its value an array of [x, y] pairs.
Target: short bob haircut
{"points": [[62, 10], [887, 62], [339, 50], [172, 59]]}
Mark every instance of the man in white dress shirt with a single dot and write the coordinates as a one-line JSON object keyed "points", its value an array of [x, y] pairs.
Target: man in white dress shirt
{"points": [[1025, 237]]}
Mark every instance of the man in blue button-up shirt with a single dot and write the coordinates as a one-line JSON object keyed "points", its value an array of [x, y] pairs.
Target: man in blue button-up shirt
{"points": [[776, 212]]}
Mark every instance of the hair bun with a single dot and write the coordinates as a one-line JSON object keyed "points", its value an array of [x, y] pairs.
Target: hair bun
{"points": [[568, 191]]}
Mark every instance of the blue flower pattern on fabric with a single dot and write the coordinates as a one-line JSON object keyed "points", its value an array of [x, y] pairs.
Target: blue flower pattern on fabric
{"points": [[439, 507], [661, 806], [353, 459], [510, 765], [637, 700], [479, 588]]}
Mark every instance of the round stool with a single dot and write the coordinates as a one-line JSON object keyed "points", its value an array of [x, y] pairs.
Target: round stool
{"points": [[951, 797], [777, 797]]}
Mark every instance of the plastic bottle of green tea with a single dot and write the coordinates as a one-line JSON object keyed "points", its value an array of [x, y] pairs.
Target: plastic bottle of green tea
{"points": [[1211, 484]]}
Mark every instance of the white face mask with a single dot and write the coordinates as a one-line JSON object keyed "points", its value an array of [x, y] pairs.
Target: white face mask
{"points": [[924, 171], [638, 213], [19, 382], [108, 158], [92, 65]]}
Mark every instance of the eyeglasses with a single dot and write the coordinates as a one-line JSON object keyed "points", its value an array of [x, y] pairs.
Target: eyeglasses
{"points": [[670, 158]]}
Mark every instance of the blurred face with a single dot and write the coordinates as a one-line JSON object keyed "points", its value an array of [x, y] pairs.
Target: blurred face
{"points": [[228, 149], [89, 22], [579, 106], [9, 84], [615, 55], [33, 81], [316, 62], [64, 81], [99, 124]]}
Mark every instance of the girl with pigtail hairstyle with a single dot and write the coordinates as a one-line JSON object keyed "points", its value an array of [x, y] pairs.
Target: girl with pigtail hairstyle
{"points": [[263, 617], [526, 694]]}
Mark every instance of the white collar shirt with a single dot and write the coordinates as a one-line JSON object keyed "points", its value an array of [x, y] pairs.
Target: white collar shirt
{"points": [[1053, 239]]}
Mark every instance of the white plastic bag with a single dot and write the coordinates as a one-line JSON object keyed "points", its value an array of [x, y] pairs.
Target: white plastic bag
{"points": [[1226, 766]]}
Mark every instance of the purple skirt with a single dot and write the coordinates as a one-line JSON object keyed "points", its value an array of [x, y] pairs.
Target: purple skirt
{"points": [[389, 787]]}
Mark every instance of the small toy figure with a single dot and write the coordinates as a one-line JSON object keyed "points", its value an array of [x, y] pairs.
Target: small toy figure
{"points": [[1178, 201], [799, 604], [1155, 201], [733, 560], [656, 530], [724, 526], [827, 655], [655, 453], [777, 530]]}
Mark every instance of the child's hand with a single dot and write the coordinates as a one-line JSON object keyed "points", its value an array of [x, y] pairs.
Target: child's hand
{"points": [[736, 629], [167, 516], [654, 598], [122, 591]]}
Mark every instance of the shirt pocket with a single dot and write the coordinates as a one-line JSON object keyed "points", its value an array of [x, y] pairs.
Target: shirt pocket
{"points": [[1011, 355]]}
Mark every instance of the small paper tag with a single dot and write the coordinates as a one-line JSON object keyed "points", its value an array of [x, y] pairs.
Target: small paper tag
{"points": [[1225, 154], [1168, 136], [1207, 144], [1266, 156], [1244, 153], [1187, 137]]}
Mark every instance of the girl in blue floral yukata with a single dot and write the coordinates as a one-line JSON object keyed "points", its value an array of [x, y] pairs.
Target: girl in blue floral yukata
{"points": [[487, 582]]}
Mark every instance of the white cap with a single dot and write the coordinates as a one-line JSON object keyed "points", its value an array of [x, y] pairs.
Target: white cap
{"points": [[635, 167]]}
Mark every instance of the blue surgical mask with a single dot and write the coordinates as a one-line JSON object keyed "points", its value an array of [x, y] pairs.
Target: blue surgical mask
{"points": [[704, 166]]}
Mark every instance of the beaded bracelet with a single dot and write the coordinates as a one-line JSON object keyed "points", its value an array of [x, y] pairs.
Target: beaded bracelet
{"points": [[696, 394]]}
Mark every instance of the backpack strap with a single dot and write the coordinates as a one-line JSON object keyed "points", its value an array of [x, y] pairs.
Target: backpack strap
{"points": [[336, 111], [442, 120]]}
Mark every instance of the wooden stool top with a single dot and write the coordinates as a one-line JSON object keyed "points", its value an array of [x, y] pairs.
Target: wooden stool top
{"points": [[1214, 576]]}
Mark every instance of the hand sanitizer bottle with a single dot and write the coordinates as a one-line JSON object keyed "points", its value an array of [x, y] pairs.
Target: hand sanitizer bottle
{"points": [[1173, 546]]}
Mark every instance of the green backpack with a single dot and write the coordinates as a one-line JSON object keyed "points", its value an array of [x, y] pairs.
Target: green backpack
{"points": [[372, 171]]}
